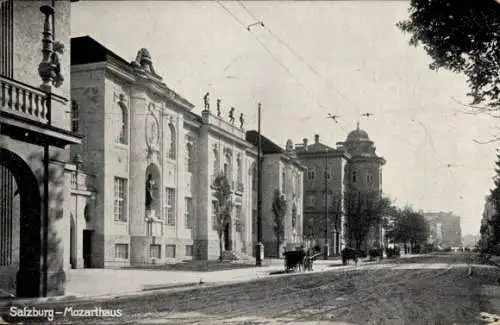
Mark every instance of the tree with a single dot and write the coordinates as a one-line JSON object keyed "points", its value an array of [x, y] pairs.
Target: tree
{"points": [[365, 211], [279, 209], [222, 207], [411, 227], [492, 230], [462, 36]]}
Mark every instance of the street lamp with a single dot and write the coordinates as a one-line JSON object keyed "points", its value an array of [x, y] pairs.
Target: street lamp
{"points": [[326, 247]]}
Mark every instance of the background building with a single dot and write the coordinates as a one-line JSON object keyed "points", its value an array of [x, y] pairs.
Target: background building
{"points": [[281, 170], [363, 181], [445, 229], [153, 163], [325, 176], [35, 128]]}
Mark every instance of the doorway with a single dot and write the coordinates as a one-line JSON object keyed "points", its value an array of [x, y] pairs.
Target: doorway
{"points": [[87, 248]]}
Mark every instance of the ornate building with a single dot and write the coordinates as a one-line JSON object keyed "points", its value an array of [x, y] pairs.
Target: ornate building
{"points": [[340, 181], [324, 193], [35, 129], [281, 170], [153, 163], [363, 177]]}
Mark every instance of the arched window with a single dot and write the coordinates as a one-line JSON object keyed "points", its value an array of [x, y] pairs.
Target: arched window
{"points": [[216, 162], [228, 172], [172, 149], [283, 183], [239, 170], [74, 116], [189, 158], [123, 117]]}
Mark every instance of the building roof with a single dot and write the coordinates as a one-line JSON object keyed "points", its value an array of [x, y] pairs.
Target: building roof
{"points": [[85, 49], [268, 147], [357, 135]]}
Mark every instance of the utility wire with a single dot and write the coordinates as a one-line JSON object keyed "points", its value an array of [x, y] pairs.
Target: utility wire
{"points": [[272, 54], [300, 58]]}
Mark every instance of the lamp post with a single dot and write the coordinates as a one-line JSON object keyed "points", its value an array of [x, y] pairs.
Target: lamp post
{"points": [[260, 247], [326, 247]]}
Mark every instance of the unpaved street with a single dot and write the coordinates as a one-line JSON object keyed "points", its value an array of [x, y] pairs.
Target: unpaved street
{"points": [[424, 290]]}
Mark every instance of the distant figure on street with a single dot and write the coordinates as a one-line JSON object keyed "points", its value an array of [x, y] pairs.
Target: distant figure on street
{"points": [[206, 100], [242, 121], [231, 115]]}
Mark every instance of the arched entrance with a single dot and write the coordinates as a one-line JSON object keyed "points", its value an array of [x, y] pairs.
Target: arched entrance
{"points": [[20, 207]]}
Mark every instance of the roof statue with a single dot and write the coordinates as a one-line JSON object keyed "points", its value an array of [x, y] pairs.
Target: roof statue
{"points": [[143, 60]]}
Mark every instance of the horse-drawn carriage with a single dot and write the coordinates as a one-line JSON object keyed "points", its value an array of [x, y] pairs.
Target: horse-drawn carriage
{"points": [[299, 259]]}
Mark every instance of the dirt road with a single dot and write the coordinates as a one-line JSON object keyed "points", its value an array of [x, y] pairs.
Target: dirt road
{"points": [[429, 290]]}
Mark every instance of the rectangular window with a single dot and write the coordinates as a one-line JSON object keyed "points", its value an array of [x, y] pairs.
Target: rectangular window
{"points": [[170, 251], [238, 219], [188, 213], [155, 251], [120, 199], [310, 174], [354, 177], [189, 250], [73, 179], [121, 251], [170, 206]]}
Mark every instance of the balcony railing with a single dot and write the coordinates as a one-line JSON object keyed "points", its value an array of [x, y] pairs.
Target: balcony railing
{"points": [[23, 100]]}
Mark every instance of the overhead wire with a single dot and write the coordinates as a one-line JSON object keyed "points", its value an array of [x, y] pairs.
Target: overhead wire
{"points": [[272, 55]]}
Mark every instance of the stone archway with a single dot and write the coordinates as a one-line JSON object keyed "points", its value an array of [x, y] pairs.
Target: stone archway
{"points": [[29, 272]]}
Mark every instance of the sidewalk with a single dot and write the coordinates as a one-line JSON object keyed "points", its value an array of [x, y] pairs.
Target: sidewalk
{"points": [[110, 283]]}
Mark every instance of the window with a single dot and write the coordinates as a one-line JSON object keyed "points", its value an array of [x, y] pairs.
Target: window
{"points": [[169, 212], [227, 167], [311, 199], [189, 158], [328, 174], [254, 179], [189, 250], [155, 251], [188, 213], [170, 251], [73, 179], [216, 162], [238, 218], [74, 116], [369, 178], [354, 177], [123, 134], [215, 207], [238, 169], [121, 251], [311, 174], [172, 149], [120, 199]]}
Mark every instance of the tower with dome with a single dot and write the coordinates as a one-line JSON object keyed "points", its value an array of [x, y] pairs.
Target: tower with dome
{"points": [[340, 181], [363, 175]]}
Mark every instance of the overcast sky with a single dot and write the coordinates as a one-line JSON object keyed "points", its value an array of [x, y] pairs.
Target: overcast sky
{"points": [[345, 58]]}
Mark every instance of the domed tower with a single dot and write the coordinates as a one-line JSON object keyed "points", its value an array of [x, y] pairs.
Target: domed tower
{"points": [[363, 182]]}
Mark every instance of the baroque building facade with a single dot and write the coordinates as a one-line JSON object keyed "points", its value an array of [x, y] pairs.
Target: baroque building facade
{"points": [[152, 163], [281, 170], [35, 131]]}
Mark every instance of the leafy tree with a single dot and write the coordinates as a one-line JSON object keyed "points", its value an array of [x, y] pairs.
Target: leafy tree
{"points": [[279, 209], [462, 36], [493, 231], [223, 207], [411, 227], [364, 211]]}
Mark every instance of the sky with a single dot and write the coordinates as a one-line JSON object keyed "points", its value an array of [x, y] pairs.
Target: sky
{"points": [[310, 59]]}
